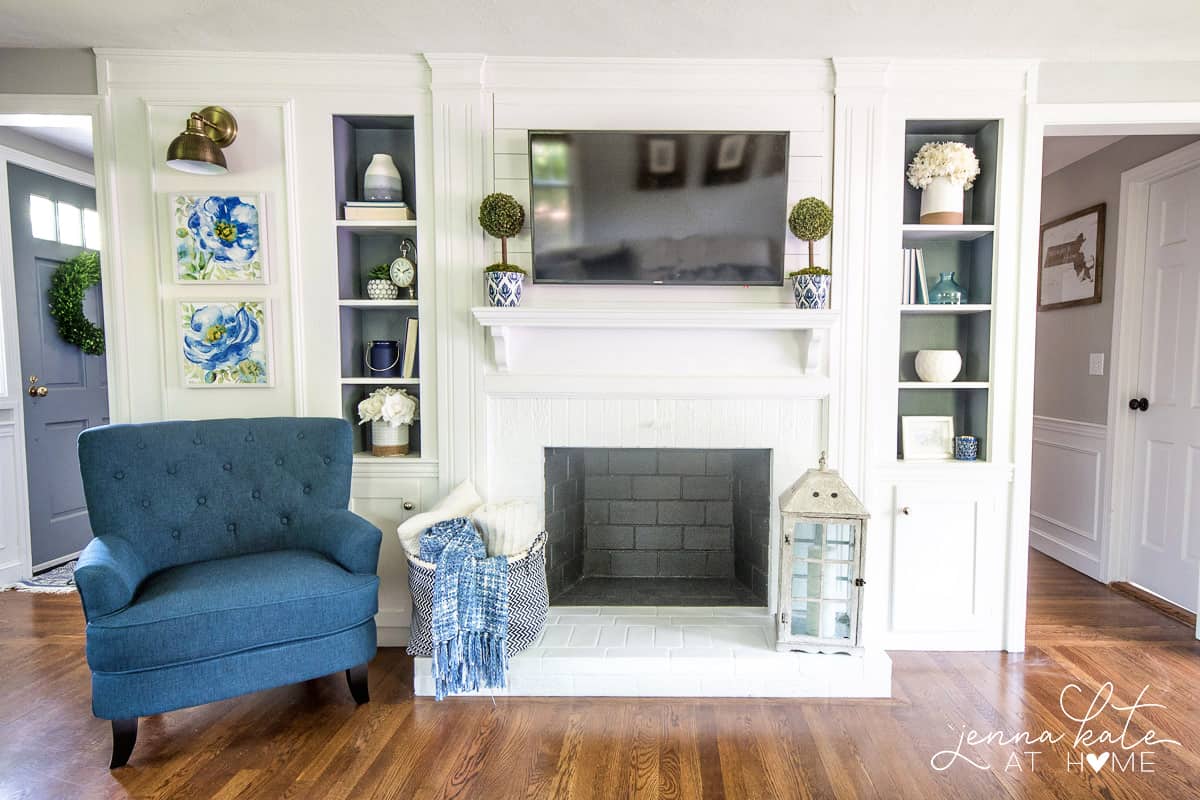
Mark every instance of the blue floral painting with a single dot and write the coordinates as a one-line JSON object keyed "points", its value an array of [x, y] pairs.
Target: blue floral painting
{"points": [[224, 344], [218, 238]]}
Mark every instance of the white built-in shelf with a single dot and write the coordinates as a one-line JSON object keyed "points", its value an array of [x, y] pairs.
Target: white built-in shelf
{"points": [[812, 326], [962, 233], [411, 465], [948, 385], [946, 308], [377, 226], [377, 303], [381, 381]]}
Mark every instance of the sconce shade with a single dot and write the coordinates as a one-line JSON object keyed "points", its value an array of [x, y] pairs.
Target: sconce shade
{"points": [[198, 149]]}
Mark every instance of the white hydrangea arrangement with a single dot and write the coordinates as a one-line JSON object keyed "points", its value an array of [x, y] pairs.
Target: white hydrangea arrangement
{"points": [[394, 406], [953, 160]]}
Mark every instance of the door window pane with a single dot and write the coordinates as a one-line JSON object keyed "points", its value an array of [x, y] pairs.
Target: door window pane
{"points": [[41, 218], [91, 229], [70, 224]]}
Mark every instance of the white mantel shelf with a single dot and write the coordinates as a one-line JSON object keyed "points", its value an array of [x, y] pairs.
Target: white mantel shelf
{"points": [[812, 325]]}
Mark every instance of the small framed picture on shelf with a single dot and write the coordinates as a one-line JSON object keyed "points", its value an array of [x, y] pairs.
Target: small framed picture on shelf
{"points": [[1071, 260], [927, 438]]}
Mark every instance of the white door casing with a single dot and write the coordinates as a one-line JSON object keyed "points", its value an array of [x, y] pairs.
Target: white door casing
{"points": [[1164, 554]]}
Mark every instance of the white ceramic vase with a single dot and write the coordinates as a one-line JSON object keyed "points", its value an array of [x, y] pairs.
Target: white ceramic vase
{"points": [[382, 289], [938, 366], [942, 203], [387, 440], [381, 182]]}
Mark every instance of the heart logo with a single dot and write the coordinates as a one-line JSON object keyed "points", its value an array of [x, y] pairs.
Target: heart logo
{"points": [[1097, 762]]}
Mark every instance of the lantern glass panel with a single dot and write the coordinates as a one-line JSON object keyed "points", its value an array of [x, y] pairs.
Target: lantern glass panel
{"points": [[806, 619], [840, 541], [835, 620]]}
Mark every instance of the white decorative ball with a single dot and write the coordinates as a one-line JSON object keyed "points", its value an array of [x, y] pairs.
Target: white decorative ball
{"points": [[938, 366]]}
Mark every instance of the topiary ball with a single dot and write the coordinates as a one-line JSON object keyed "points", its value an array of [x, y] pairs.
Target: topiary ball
{"points": [[811, 219], [501, 215]]}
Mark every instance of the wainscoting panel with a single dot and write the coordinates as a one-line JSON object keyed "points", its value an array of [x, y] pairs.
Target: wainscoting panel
{"points": [[1066, 517]]}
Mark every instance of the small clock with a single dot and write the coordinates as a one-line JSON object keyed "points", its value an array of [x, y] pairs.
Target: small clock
{"points": [[403, 271]]}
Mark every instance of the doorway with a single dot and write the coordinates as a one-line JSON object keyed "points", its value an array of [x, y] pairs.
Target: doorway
{"points": [[1112, 474], [59, 387]]}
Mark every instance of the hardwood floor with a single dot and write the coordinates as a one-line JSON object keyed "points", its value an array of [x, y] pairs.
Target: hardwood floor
{"points": [[311, 741]]}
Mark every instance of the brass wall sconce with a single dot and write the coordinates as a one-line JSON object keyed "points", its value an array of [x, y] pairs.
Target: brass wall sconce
{"points": [[198, 149]]}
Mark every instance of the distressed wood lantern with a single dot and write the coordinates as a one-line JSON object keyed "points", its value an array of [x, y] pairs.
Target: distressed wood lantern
{"points": [[822, 534]]}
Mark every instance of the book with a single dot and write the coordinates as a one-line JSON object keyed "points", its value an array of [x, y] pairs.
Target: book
{"points": [[922, 281], [906, 278], [378, 212], [410, 349]]}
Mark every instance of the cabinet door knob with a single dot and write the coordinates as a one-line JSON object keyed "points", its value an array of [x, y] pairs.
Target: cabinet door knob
{"points": [[408, 506], [1139, 404], [906, 510]]}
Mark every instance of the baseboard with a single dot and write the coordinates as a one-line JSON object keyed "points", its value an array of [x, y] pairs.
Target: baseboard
{"points": [[1160, 604], [1065, 553], [392, 635]]}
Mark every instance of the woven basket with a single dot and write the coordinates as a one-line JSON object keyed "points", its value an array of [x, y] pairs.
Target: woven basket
{"points": [[528, 600]]}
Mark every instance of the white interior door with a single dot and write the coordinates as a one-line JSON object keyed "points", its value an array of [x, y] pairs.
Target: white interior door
{"points": [[1165, 524]]}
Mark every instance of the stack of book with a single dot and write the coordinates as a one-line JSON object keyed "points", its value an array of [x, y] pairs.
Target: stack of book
{"points": [[362, 211], [914, 289]]}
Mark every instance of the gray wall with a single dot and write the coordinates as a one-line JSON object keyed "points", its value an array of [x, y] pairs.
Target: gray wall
{"points": [[14, 138], [1065, 337], [27, 70]]}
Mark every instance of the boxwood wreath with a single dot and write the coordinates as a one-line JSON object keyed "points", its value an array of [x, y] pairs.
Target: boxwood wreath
{"points": [[67, 287]]}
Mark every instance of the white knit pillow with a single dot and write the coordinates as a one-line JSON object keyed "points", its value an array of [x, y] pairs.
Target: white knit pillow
{"points": [[509, 527], [461, 501]]}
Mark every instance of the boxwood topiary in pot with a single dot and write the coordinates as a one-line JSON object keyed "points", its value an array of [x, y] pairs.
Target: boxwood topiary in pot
{"points": [[810, 220], [501, 216]]}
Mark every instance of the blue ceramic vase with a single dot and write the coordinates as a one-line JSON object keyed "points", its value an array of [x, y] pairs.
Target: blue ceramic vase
{"points": [[504, 288]]}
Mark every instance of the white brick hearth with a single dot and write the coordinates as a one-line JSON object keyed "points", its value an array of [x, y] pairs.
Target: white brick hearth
{"points": [[646, 651]]}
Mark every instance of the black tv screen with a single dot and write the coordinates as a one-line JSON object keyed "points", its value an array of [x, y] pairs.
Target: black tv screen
{"points": [[658, 208]]}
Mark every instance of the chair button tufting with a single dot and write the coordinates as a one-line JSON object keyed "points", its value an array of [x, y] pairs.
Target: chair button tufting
{"points": [[196, 440], [119, 475], [307, 489], [300, 435], [227, 467], [141, 445], [279, 462], [201, 500], [146, 503], [231, 527], [284, 520], [171, 470], [327, 460], [256, 494], [175, 533]]}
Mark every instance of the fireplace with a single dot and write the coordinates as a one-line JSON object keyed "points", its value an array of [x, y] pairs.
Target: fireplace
{"points": [[658, 526]]}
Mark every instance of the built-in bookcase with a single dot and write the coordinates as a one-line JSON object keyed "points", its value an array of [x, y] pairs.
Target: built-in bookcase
{"points": [[968, 251], [360, 246]]}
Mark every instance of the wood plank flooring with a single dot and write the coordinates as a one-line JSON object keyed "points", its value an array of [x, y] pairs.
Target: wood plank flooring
{"points": [[310, 741]]}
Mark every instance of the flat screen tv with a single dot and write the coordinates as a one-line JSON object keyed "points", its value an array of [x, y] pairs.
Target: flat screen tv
{"points": [[623, 207]]}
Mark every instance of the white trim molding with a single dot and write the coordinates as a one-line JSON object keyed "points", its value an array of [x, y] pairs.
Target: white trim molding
{"points": [[1066, 515]]}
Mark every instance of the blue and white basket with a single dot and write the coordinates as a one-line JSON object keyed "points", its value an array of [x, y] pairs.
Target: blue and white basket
{"points": [[811, 291], [528, 600], [504, 288]]}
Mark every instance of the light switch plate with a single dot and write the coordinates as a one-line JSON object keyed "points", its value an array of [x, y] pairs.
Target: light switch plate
{"points": [[1096, 364]]}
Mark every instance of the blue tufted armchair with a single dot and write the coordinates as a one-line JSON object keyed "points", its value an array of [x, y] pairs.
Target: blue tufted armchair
{"points": [[225, 562]]}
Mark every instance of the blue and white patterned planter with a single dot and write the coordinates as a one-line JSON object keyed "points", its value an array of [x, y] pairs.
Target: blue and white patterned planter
{"points": [[504, 288], [811, 291], [966, 448]]}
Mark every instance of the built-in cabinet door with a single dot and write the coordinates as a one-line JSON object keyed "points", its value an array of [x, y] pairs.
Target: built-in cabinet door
{"points": [[948, 570]]}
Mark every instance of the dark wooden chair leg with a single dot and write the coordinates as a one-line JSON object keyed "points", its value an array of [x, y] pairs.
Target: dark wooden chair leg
{"points": [[124, 737], [357, 678]]}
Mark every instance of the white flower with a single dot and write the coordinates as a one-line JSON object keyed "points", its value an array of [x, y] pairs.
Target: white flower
{"points": [[389, 404], [953, 160]]}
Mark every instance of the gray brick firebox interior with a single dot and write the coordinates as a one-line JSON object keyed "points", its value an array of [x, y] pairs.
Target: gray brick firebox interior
{"points": [[662, 527]]}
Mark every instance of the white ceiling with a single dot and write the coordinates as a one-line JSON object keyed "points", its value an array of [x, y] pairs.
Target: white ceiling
{"points": [[1058, 30], [1062, 151], [70, 132]]}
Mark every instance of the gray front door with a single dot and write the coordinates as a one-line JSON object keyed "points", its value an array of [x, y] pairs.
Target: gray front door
{"points": [[76, 384]]}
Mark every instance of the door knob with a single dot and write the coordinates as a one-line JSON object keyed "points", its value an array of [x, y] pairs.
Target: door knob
{"points": [[408, 506], [906, 511], [1139, 404], [35, 390]]}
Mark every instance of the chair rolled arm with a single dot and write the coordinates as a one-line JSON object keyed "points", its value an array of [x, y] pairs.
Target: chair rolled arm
{"points": [[348, 539], [108, 574]]}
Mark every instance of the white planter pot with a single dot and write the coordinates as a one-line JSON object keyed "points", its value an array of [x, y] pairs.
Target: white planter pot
{"points": [[387, 440], [381, 182], [942, 203], [381, 289], [504, 288], [938, 366], [811, 291]]}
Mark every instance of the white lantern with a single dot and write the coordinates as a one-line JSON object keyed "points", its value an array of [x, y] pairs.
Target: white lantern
{"points": [[820, 597]]}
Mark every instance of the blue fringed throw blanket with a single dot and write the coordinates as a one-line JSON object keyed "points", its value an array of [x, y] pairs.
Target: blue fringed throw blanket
{"points": [[470, 609]]}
